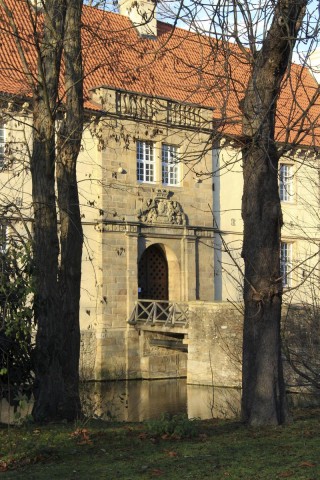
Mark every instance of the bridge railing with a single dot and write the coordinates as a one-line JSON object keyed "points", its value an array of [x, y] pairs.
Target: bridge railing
{"points": [[160, 312]]}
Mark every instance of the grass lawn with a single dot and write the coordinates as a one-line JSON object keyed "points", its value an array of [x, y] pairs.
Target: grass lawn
{"points": [[215, 449]]}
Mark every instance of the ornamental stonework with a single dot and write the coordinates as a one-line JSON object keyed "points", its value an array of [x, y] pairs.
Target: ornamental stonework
{"points": [[162, 210]]}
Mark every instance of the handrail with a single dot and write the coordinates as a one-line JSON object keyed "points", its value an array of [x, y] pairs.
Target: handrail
{"points": [[160, 312]]}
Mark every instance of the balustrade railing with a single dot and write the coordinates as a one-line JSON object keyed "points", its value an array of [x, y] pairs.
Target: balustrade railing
{"points": [[160, 312]]}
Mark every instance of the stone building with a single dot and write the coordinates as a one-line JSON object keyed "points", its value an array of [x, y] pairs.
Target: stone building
{"points": [[160, 184]]}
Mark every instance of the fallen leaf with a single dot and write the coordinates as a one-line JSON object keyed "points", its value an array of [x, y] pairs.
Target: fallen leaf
{"points": [[82, 435], [171, 453], [3, 466], [156, 472], [307, 464], [286, 474]]}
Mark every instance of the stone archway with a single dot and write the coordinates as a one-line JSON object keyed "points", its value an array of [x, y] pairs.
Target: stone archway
{"points": [[174, 274], [153, 280]]}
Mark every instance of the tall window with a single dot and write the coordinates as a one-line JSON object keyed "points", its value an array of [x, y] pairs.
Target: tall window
{"points": [[170, 168], [286, 263], [286, 182], [145, 162], [2, 143]]}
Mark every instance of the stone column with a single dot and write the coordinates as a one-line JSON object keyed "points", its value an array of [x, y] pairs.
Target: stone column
{"points": [[132, 345], [189, 267]]}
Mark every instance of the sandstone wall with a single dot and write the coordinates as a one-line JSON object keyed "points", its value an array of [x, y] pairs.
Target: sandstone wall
{"points": [[215, 338]]}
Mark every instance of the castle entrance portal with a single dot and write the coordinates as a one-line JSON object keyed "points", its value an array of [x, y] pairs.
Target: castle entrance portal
{"points": [[153, 274]]}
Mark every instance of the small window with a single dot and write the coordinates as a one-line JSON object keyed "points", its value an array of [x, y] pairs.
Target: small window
{"points": [[170, 167], [286, 182], [145, 162], [2, 146], [286, 263]]}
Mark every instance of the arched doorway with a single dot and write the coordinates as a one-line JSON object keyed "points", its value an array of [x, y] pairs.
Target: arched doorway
{"points": [[153, 274]]}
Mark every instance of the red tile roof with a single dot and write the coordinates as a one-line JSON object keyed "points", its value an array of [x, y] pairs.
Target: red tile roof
{"points": [[178, 64]]}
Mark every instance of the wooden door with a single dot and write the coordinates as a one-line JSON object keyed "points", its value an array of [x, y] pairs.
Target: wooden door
{"points": [[153, 274]]}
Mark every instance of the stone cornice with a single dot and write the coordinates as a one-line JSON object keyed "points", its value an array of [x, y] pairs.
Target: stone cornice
{"points": [[133, 105]]}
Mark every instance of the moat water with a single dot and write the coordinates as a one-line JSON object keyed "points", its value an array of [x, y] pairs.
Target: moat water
{"points": [[135, 401], [138, 400]]}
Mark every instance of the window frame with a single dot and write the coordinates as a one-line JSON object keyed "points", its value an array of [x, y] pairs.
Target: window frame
{"points": [[286, 186], [145, 161], [170, 171], [286, 263]]}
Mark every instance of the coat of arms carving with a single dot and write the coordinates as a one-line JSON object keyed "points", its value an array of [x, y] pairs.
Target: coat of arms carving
{"points": [[162, 210]]}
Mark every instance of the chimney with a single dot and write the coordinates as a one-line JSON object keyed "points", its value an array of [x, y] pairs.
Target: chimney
{"points": [[142, 14], [38, 4]]}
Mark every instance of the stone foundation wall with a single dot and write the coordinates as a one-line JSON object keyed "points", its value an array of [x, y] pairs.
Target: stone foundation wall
{"points": [[215, 342], [88, 353], [301, 347], [160, 362], [173, 365], [214, 349], [213, 358]]}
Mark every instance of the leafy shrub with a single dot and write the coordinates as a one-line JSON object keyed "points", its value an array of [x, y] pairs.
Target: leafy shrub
{"points": [[16, 314], [178, 426]]}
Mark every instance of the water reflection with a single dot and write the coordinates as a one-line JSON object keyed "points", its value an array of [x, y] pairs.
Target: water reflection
{"points": [[138, 400], [135, 401], [213, 402]]}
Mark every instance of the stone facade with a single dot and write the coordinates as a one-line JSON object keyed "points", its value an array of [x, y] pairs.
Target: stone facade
{"points": [[160, 192], [194, 225], [172, 218]]}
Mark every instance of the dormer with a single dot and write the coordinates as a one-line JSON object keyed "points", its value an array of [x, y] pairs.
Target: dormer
{"points": [[142, 14]]}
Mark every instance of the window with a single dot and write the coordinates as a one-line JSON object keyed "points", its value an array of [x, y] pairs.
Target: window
{"points": [[2, 146], [286, 263], [286, 182], [145, 162], [170, 169]]}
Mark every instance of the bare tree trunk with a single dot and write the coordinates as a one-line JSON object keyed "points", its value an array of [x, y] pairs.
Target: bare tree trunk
{"points": [[58, 285], [49, 383], [264, 399], [71, 237]]}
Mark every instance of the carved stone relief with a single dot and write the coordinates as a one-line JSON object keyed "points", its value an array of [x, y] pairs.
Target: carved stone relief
{"points": [[162, 210]]}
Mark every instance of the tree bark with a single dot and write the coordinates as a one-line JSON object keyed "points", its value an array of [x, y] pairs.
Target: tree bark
{"points": [[49, 384], [264, 398], [57, 274], [71, 237]]}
